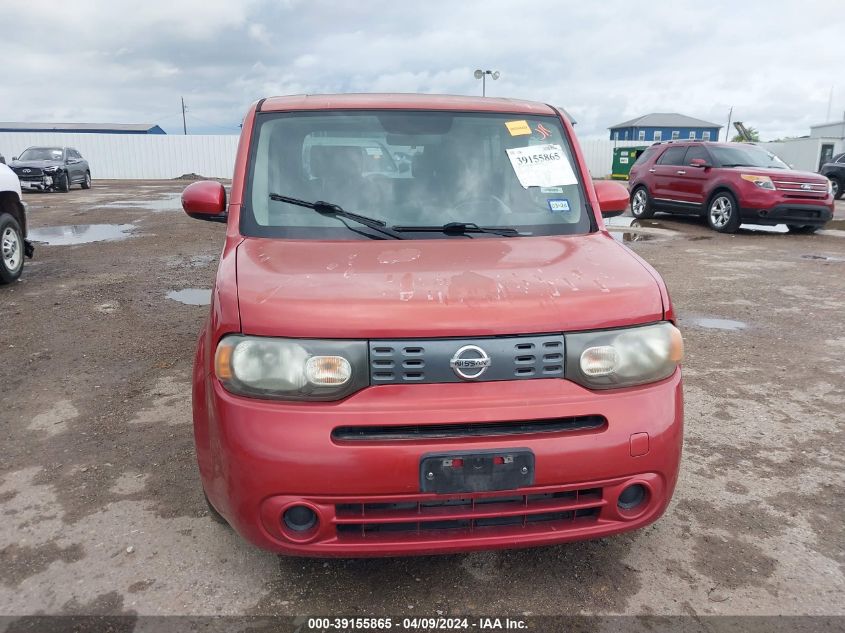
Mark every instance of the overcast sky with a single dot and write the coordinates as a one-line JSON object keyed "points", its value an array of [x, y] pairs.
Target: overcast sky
{"points": [[605, 61]]}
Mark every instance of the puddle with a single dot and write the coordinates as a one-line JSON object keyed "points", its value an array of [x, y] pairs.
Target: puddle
{"points": [[716, 324], [638, 230], [763, 228], [827, 258], [628, 221], [173, 202], [73, 234], [191, 296], [629, 236]]}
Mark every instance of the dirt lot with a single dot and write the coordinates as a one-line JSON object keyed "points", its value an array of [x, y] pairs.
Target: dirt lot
{"points": [[101, 505]]}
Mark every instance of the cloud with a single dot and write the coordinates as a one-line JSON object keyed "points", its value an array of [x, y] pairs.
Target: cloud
{"points": [[605, 62]]}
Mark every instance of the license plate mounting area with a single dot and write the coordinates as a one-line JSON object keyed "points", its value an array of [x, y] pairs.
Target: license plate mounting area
{"points": [[476, 471]]}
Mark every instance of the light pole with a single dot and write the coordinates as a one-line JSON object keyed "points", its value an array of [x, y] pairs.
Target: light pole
{"points": [[482, 75]]}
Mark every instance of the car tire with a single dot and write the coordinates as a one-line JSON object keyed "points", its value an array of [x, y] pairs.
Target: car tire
{"points": [[86, 184], [213, 513], [837, 187], [64, 182], [800, 229], [12, 251], [641, 204], [723, 213]]}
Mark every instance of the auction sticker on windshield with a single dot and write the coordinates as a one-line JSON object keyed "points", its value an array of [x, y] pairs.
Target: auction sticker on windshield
{"points": [[541, 166]]}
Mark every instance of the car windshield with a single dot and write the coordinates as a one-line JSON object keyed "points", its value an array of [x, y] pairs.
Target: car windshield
{"points": [[412, 170], [750, 156], [41, 153]]}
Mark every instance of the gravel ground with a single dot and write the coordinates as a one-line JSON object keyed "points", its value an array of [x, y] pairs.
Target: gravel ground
{"points": [[100, 500]]}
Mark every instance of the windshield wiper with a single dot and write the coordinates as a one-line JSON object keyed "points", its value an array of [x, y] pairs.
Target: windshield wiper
{"points": [[459, 228], [336, 211]]}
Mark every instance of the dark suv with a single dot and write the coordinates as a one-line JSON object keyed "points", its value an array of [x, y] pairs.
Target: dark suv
{"points": [[728, 184], [51, 168], [835, 172]]}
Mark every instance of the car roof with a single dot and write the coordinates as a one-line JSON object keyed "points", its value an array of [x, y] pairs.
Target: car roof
{"points": [[688, 141], [399, 101]]}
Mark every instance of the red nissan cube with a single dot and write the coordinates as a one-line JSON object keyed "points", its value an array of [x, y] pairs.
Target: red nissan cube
{"points": [[422, 339]]}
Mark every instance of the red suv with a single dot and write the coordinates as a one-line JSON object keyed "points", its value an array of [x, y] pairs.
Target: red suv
{"points": [[508, 375], [729, 184]]}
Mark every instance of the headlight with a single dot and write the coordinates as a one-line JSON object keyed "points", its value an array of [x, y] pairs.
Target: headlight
{"points": [[622, 358], [830, 186], [764, 182], [51, 170], [291, 369]]}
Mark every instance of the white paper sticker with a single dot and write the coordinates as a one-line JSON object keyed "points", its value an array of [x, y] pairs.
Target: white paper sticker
{"points": [[541, 166]]}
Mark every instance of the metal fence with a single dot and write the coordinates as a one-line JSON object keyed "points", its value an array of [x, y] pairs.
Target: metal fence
{"points": [[137, 156], [141, 156]]}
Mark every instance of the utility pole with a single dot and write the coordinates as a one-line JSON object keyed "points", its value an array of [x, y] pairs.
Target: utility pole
{"points": [[728, 129], [184, 124]]}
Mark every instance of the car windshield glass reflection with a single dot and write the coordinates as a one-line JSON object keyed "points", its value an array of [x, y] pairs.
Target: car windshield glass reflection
{"points": [[41, 153], [496, 175]]}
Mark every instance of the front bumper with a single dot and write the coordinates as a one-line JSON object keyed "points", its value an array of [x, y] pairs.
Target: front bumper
{"points": [[794, 214], [258, 458], [760, 206], [36, 183]]}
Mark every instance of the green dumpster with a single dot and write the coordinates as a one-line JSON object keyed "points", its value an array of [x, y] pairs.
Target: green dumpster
{"points": [[623, 159]]}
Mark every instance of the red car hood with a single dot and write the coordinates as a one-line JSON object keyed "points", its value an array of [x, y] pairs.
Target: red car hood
{"points": [[441, 287], [784, 174]]}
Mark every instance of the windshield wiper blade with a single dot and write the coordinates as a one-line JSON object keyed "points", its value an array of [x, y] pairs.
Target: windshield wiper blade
{"points": [[336, 211], [459, 228]]}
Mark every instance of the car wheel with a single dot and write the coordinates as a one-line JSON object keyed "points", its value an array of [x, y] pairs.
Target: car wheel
{"points": [[64, 182], [801, 229], [11, 249], [86, 184], [723, 213], [213, 513], [836, 185], [641, 204]]}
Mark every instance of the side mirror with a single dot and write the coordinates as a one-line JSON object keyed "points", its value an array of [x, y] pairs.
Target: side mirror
{"points": [[14, 157], [205, 200], [613, 197], [404, 168], [699, 162]]}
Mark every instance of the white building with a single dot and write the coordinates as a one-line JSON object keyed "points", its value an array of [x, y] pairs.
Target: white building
{"points": [[809, 153], [835, 130]]}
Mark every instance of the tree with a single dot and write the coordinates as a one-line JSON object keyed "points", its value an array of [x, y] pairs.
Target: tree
{"points": [[755, 136]]}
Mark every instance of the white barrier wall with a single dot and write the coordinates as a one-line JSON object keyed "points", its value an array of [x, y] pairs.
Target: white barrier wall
{"points": [[804, 153], [598, 153], [158, 156], [137, 156]]}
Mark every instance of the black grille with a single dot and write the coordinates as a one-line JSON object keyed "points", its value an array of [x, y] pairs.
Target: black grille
{"points": [[428, 361], [468, 513], [477, 429], [28, 172]]}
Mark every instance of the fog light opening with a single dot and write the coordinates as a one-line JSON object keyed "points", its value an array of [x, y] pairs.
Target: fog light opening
{"points": [[299, 519], [632, 498]]}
